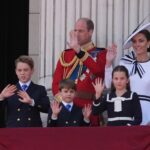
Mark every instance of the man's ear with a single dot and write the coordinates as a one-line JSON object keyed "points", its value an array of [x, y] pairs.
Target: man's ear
{"points": [[148, 46], [91, 32], [32, 70]]}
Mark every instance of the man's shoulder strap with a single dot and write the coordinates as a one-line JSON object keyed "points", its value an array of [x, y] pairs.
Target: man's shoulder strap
{"points": [[96, 51], [100, 48], [69, 49]]}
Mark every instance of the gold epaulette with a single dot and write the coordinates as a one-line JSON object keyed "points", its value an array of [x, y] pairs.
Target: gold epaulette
{"points": [[74, 62], [64, 64], [72, 69], [58, 97]]}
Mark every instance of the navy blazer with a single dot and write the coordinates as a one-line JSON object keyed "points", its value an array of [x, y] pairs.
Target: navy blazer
{"points": [[131, 108], [66, 118], [19, 114]]}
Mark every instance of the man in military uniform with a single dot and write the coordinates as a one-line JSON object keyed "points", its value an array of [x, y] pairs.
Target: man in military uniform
{"points": [[81, 63]]}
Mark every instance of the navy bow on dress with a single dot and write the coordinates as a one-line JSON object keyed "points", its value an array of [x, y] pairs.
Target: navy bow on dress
{"points": [[137, 68]]}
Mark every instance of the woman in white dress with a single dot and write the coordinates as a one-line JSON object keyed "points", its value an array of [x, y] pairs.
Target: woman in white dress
{"points": [[138, 64]]}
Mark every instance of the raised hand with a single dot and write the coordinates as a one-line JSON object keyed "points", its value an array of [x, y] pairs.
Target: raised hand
{"points": [[8, 91], [24, 97], [56, 108], [87, 110], [111, 54], [74, 42], [99, 87]]}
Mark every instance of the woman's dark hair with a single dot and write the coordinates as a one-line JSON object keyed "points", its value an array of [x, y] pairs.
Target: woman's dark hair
{"points": [[146, 33], [120, 68]]}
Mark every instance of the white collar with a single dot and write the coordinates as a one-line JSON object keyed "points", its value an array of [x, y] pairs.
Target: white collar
{"points": [[64, 103], [27, 83]]}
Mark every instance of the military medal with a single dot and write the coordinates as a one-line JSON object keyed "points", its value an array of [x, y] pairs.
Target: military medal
{"points": [[82, 77]]}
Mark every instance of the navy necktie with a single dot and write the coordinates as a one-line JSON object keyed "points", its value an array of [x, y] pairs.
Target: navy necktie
{"points": [[24, 87], [68, 106]]}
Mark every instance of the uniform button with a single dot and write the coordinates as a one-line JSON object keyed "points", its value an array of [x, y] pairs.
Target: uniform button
{"points": [[39, 106], [29, 119], [49, 121], [66, 122], [74, 121], [18, 109], [18, 119]]}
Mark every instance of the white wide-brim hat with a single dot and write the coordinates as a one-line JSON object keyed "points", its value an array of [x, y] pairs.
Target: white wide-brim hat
{"points": [[128, 42]]}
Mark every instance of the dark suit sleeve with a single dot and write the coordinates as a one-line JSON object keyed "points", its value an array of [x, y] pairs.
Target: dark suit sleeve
{"points": [[42, 102], [50, 121], [137, 113], [99, 105], [84, 124]]}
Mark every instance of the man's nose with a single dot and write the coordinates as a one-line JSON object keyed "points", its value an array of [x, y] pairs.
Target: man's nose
{"points": [[77, 32], [22, 72]]}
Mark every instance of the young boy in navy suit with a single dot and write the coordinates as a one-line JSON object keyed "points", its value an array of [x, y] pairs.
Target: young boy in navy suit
{"points": [[66, 113], [25, 100]]}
